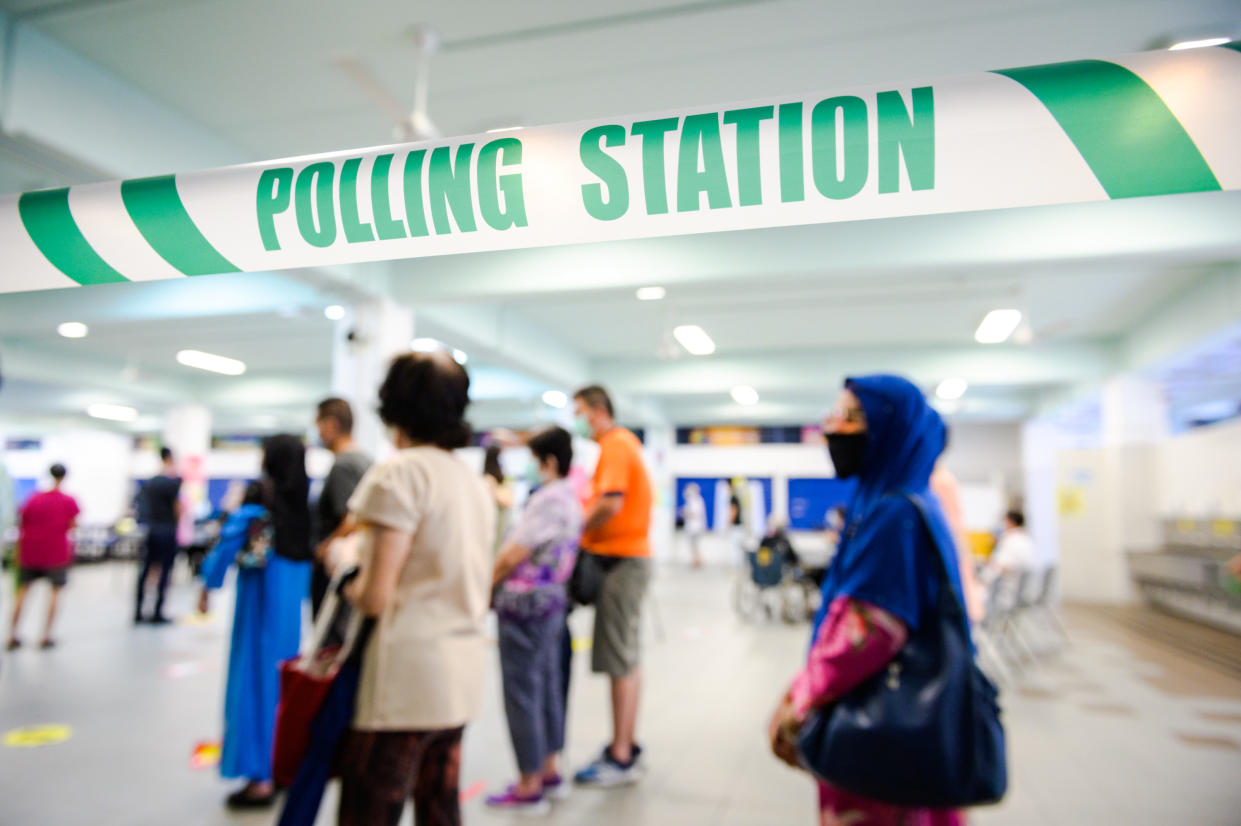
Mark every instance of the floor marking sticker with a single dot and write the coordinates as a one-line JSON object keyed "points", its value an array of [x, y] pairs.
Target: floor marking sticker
{"points": [[473, 791], [205, 755], [47, 734]]}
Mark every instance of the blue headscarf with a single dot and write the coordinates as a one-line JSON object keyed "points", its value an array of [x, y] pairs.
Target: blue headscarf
{"points": [[887, 557]]}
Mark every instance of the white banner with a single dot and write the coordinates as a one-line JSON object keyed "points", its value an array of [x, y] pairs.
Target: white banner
{"points": [[1144, 125]]}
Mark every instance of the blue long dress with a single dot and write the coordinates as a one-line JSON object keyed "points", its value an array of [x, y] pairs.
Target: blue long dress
{"points": [[267, 623]]}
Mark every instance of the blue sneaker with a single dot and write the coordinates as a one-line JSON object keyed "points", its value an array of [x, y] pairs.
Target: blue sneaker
{"points": [[606, 772]]}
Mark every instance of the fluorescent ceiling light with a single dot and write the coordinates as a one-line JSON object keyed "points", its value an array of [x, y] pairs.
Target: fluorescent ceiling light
{"points": [[745, 395], [73, 329], [1198, 44], [425, 345], [952, 389], [334, 312], [506, 129], [211, 362], [694, 339], [997, 326], [554, 398], [651, 293], [112, 412], [459, 356]]}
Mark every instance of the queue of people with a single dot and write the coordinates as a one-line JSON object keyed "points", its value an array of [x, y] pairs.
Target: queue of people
{"points": [[430, 568]]}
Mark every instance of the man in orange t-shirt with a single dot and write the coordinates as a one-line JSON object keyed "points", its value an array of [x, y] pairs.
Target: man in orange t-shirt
{"points": [[618, 520]]}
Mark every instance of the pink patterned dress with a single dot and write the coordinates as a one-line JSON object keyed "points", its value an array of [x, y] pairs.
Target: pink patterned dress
{"points": [[856, 640]]}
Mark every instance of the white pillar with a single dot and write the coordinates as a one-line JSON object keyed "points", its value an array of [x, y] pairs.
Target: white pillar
{"points": [[1135, 412], [660, 440], [187, 433], [365, 342], [1135, 421]]}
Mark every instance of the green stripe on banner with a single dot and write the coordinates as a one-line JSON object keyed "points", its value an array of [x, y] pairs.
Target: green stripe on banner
{"points": [[1125, 132], [1234, 45], [50, 224], [157, 211]]}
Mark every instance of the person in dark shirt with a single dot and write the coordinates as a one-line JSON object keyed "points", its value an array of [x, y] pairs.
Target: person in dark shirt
{"points": [[160, 507], [335, 423]]}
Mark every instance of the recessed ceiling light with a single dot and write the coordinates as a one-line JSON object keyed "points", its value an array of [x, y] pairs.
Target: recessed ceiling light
{"points": [[73, 329], [211, 362], [694, 339], [745, 395], [952, 389], [554, 398], [459, 356], [334, 312], [112, 412], [651, 293], [425, 345], [997, 326], [1198, 44]]}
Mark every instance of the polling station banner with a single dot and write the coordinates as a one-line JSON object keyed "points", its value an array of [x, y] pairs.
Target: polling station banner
{"points": [[1150, 124]]}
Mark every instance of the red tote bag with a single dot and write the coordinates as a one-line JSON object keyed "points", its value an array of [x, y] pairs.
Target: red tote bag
{"points": [[303, 687], [304, 684]]}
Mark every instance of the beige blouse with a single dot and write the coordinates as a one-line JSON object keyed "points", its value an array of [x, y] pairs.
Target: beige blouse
{"points": [[426, 660]]}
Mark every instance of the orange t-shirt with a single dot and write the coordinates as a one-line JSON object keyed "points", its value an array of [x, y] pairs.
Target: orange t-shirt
{"points": [[620, 470]]}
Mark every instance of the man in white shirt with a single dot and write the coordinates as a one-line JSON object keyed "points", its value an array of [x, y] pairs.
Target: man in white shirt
{"points": [[694, 512], [1015, 559]]}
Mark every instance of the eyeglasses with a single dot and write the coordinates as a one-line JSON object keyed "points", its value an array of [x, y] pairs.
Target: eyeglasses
{"points": [[846, 415]]}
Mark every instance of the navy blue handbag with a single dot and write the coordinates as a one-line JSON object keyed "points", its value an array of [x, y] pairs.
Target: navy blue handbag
{"points": [[924, 732]]}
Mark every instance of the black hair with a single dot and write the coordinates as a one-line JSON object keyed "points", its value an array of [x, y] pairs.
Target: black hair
{"points": [[338, 409], [596, 398], [58, 471], [425, 395], [555, 441], [287, 494], [165, 454], [491, 464], [255, 495], [1016, 517]]}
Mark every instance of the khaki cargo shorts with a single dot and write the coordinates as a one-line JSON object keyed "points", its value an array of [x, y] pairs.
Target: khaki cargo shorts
{"points": [[618, 618]]}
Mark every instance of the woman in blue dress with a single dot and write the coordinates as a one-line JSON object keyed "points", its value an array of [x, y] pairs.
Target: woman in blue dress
{"points": [[268, 539]]}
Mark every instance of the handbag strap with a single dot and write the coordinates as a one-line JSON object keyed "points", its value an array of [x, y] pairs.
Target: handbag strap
{"points": [[328, 612], [957, 611]]}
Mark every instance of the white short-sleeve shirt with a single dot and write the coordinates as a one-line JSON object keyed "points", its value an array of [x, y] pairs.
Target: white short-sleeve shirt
{"points": [[425, 664]]}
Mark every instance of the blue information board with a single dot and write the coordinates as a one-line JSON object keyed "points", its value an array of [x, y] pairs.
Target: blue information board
{"points": [[707, 484], [811, 498]]}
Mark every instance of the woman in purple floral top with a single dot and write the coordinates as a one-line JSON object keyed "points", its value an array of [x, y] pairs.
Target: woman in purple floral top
{"points": [[534, 564]]}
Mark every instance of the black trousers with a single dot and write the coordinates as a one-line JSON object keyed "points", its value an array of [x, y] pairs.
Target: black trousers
{"points": [[161, 550]]}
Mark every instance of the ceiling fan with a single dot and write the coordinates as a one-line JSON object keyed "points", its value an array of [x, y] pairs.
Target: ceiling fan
{"points": [[408, 125]]}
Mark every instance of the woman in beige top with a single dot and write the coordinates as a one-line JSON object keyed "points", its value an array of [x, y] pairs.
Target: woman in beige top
{"points": [[428, 525]]}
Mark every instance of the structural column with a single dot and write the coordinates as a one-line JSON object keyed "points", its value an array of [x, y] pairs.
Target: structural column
{"points": [[365, 342], [187, 433]]}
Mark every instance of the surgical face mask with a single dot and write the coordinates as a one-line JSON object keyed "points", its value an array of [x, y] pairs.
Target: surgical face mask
{"points": [[848, 452], [532, 476], [581, 427]]}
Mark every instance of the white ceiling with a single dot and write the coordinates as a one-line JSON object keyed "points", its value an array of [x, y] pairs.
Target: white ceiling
{"points": [[791, 310]]}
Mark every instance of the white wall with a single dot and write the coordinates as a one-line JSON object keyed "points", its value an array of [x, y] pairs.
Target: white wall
{"points": [[1199, 473], [99, 464], [1114, 497]]}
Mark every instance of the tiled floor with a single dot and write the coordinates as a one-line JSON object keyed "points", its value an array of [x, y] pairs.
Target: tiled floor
{"points": [[1117, 730]]}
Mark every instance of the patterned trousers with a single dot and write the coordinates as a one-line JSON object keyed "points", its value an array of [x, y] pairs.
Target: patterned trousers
{"points": [[380, 770]]}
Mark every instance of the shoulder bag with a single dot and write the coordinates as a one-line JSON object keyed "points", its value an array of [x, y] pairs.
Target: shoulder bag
{"points": [[925, 731]]}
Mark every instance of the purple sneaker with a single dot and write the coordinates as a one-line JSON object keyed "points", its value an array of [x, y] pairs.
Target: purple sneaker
{"points": [[521, 804], [556, 788]]}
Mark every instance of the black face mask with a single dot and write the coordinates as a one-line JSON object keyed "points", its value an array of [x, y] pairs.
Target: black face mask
{"points": [[848, 452]]}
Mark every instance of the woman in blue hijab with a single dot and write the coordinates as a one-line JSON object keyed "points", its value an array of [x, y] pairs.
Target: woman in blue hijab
{"points": [[884, 579]]}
